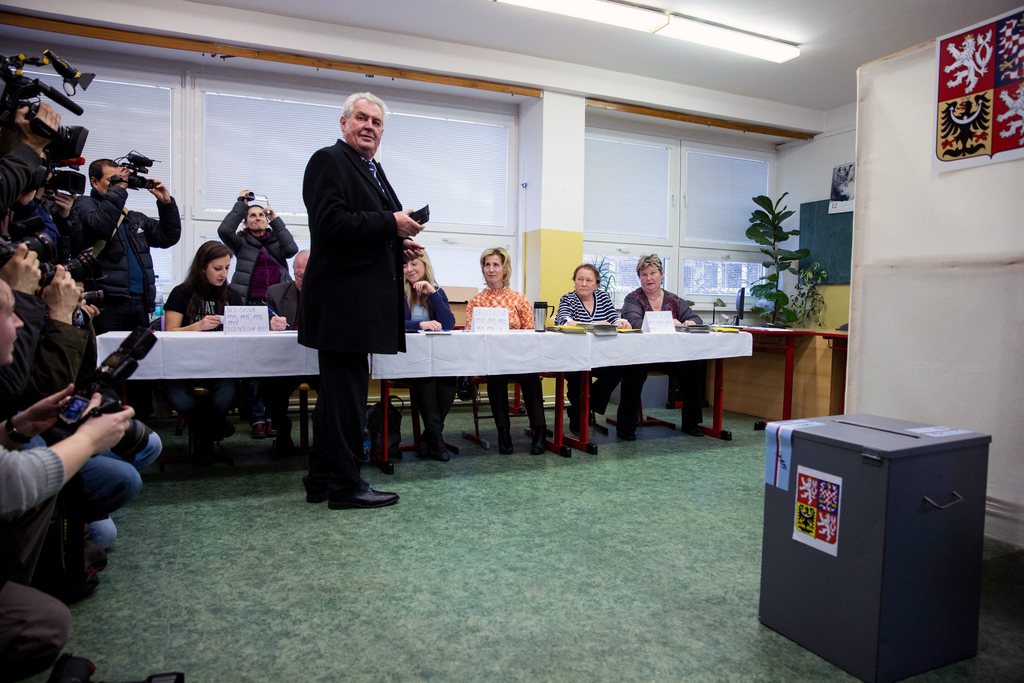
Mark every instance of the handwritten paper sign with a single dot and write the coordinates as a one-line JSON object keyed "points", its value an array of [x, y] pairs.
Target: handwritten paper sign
{"points": [[658, 322], [490, 320], [246, 319]]}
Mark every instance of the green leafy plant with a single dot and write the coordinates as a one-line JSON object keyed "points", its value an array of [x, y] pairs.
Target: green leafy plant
{"points": [[604, 267], [766, 229], [808, 301]]}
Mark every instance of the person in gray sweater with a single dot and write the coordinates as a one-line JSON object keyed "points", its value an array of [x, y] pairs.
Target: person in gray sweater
{"points": [[33, 625]]}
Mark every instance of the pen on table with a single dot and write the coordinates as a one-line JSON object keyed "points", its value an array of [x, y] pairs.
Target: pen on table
{"points": [[276, 315]]}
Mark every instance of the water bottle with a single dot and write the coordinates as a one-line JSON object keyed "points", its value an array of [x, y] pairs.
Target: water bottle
{"points": [[158, 312]]}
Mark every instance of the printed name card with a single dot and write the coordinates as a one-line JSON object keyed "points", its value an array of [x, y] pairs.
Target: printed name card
{"points": [[490, 320], [246, 319], [658, 322]]}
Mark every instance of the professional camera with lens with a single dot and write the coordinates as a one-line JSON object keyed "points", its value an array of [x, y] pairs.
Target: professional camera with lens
{"points": [[66, 142], [137, 165], [29, 232], [110, 379]]}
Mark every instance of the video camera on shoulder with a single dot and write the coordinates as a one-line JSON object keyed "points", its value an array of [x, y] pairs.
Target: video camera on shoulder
{"points": [[136, 165], [111, 375], [66, 142]]}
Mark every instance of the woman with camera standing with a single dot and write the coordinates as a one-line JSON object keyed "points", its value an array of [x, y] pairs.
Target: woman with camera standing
{"points": [[262, 246]]}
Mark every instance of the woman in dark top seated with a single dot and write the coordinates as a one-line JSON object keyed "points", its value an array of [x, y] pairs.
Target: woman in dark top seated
{"points": [[426, 308], [651, 297], [196, 306], [588, 304]]}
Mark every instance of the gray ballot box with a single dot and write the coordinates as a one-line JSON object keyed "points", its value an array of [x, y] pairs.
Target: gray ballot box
{"points": [[872, 544]]}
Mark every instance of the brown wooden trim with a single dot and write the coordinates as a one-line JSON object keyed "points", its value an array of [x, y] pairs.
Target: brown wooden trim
{"points": [[228, 50], [700, 120]]}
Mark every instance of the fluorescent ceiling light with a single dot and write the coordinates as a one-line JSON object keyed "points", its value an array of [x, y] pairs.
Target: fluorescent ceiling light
{"points": [[729, 39], [604, 11], [662, 23]]}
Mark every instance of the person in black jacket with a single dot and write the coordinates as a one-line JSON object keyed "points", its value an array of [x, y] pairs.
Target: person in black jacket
{"points": [[122, 241], [359, 236]]}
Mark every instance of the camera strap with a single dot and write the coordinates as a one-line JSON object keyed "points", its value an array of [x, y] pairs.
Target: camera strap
{"points": [[100, 245]]}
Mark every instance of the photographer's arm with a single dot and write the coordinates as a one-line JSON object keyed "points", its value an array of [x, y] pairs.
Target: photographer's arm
{"points": [[24, 166], [94, 435], [164, 232], [98, 216], [226, 231]]}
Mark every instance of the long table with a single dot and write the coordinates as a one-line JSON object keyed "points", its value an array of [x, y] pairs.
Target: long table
{"points": [[190, 355]]}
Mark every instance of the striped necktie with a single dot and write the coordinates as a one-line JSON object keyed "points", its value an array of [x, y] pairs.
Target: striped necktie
{"points": [[373, 171]]}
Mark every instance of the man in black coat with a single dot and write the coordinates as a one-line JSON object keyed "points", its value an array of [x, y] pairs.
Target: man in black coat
{"points": [[352, 297]]}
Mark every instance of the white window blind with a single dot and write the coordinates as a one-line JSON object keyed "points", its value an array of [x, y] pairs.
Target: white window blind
{"points": [[261, 144], [459, 167], [718, 194], [619, 276], [122, 117], [718, 278], [626, 189]]}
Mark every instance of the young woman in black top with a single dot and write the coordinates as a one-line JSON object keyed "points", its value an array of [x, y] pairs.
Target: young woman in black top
{"points": [[196, 306]]}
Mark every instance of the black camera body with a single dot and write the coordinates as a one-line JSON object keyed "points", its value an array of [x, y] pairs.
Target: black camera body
{"points": [[111, 375], [68, 182], [19, 91], [29, 232], [136, 165]]}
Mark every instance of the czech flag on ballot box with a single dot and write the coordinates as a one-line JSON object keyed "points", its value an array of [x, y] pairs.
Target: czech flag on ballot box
{"points": [[980, 108]]}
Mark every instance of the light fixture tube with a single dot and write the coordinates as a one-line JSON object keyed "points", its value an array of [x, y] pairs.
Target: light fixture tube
{"points": [[724, 38], [604, 11]]}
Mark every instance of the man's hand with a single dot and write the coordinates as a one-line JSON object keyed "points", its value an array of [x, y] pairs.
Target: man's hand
{"points": [[104, 431], [62, 296], [412, 249], [42, 414], [89, 310], [160, 191], [45, 114], [64, 203], [406, 226], [21, 272], [278, 323]]}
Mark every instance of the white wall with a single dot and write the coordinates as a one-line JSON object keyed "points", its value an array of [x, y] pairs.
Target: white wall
{"points": [[928, 250]]}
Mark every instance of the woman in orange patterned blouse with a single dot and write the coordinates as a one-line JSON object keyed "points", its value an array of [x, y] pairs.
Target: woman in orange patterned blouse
{"points": [[497, 269]]}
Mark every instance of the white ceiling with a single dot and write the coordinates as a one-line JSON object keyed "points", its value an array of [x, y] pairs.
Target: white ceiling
{"points": [[836, 37]]}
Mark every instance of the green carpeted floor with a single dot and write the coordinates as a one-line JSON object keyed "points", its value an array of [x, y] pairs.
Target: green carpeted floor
{"points": [[639, 563]]}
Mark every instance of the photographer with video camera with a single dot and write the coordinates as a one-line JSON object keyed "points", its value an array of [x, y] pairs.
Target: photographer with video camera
{"points": [[23, 154], [123, 240], [33, 625]]}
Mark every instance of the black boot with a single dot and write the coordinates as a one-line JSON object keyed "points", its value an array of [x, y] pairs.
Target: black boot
{"points": [[539, 443], [505, 441]]}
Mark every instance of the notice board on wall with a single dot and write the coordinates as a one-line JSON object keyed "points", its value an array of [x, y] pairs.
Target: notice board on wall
{"points": [[829, 237]]}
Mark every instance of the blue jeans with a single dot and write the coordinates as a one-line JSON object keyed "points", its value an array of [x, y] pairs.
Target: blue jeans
{"points": [[110, 484], [208, 412]]}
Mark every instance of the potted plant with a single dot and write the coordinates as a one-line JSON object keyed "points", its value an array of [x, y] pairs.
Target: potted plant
{"points": [[808, 302], [766, 230]]}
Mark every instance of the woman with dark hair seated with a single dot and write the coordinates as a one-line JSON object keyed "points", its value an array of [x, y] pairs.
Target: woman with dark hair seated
{"points": [[426, 308], [496, 265], [196, 306], [262, 246], [588, 304], [651, 297]]}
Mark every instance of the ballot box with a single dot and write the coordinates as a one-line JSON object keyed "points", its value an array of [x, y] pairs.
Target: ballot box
{"points": [[872, 541]]}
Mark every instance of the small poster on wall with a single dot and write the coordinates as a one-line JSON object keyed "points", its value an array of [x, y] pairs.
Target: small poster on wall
{"points": [[840, 199], [979, 118]]}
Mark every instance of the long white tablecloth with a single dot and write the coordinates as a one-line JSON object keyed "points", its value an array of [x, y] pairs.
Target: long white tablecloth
{"points": [[189, 355]]}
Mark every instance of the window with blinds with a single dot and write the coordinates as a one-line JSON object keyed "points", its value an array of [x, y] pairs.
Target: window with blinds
{"points": [[718, 191], [626, 189]]}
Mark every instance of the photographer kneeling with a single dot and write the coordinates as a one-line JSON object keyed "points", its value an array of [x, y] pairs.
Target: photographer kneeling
{"points": [[33, 625]]}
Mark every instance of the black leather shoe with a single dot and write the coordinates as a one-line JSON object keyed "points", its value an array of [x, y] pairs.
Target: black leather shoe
{"points": [[505, 442], [696, 430], [363, 499], [316, 497], [316, 491], [626, 436], [539, 442]]}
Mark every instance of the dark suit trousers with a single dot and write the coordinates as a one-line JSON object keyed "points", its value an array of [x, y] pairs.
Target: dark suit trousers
{"points": [[497, 393], [687, 374], [338, 423]]}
